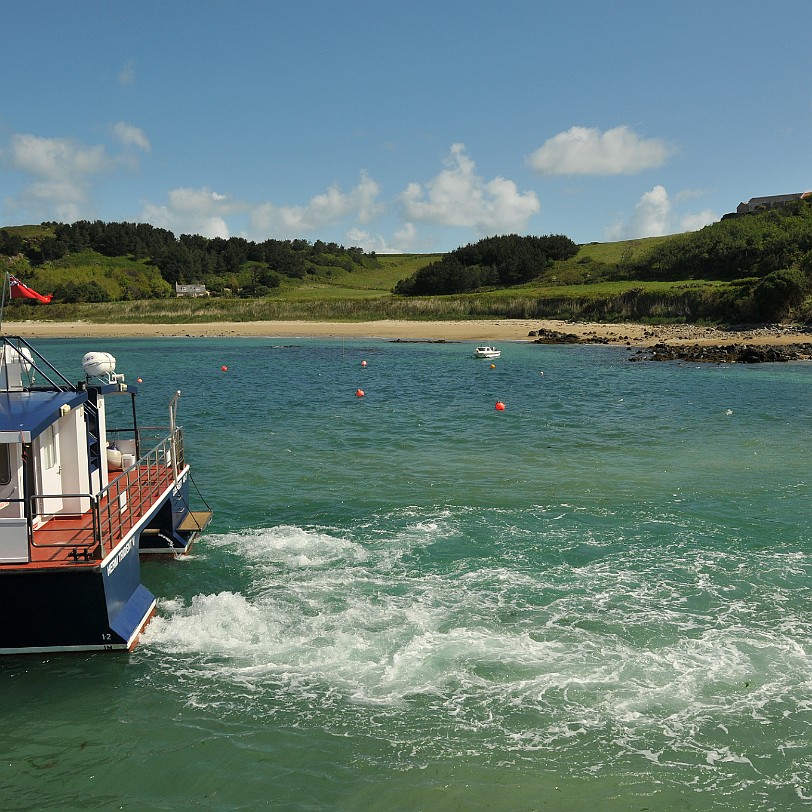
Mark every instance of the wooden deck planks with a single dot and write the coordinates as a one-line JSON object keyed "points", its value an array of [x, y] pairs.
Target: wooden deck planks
{"points": [[56, 540]]}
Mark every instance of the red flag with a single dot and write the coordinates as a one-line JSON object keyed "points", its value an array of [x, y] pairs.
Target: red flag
{"points": [[21, 291]]}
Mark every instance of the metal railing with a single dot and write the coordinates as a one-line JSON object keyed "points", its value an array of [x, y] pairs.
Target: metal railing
{"points": [[34, 361], [118, 507]]}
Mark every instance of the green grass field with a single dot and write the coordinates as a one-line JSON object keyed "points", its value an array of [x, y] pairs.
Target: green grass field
{"points": [[616, 252], [585, 285], [363, 283], [30, 232]]}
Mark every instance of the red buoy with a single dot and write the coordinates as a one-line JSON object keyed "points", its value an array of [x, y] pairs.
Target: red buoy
{"points": [[363, 363], [359, 393], [500, 407], [224, 368]]}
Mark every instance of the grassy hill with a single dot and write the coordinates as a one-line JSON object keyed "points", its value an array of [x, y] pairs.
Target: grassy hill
{"points": [[364, 283], [601, 282]]}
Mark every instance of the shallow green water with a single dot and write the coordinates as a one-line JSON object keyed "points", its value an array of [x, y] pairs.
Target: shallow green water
{"points": [[598, 599]]}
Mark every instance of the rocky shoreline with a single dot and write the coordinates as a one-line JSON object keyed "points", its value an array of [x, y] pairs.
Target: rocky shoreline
{"points": [[728, 354], [756, 349]]}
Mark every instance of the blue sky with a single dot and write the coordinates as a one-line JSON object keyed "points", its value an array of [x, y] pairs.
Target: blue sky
{"points": [[416, 126]]}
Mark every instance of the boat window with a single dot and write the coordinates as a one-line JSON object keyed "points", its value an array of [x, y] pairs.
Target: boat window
{"points": [[48, 445], [5, 464]]}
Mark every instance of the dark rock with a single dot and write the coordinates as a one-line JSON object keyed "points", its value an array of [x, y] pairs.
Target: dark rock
{"points": [[422, 341], [554, 337], [726, 354]]}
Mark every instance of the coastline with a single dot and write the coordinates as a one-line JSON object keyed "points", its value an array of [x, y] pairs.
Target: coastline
{"points": [[480, 330]]}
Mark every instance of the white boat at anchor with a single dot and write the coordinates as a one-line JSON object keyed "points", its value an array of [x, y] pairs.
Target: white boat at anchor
{"points": [[486, 351]]}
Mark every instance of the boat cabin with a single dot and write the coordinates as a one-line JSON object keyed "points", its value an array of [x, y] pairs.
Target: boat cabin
{"points": [[79, 502], [52, 438]]}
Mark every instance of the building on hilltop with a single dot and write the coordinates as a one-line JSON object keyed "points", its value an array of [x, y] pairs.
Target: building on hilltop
{"points": [[190, 290], [757, 203]]}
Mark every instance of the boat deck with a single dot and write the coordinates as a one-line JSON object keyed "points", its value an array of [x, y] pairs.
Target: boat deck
{"points": [[73, 539]]}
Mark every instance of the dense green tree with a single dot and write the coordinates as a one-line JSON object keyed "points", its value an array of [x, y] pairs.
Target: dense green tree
{"points": [[52, 248], [217, 262], [778, 292], [235, 253], [502, 261], [175, 263], [260, 281], [736, 247], [80, 292], [10, 244]]}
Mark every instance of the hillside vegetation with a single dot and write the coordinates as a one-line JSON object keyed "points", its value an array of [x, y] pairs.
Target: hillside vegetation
{"points": [[753, 268]]}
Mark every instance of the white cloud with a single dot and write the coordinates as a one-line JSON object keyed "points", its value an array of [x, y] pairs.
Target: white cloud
{"points": [[460, 197], [650, 218], [690, 194], [126, 75], [653, 217], [62, 171], [192, 211], [269, 220], [693, 222], [57, 158], [404, 240], [588, 151], [651, 214], [131, 136], [63, 202]]}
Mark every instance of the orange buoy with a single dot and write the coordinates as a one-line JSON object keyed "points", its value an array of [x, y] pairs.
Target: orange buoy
{"points": [[500, 407], [138, 380], [359, 393], [493, 366]]}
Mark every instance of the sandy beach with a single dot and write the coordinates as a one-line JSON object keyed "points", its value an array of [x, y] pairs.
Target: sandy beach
{"points": [[483, 330]]}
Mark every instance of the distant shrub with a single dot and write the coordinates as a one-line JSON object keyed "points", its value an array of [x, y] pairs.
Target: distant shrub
{"points": [[778, 292], [495, 261], [72, 292]]}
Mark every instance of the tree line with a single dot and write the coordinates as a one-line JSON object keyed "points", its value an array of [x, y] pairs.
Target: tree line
{"points": [[499, 261], [763, 261], [235, 264], [748, 245], [766, 255]]}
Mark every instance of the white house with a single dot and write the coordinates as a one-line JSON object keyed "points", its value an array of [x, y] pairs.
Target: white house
{"points": [[755, 203], [190, 290]]}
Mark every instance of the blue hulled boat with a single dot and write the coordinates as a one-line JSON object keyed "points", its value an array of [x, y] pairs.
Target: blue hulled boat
{"points": [[80, 502]]}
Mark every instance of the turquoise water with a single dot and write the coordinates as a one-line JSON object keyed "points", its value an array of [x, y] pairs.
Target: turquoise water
{"points": [[598, 599]]}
